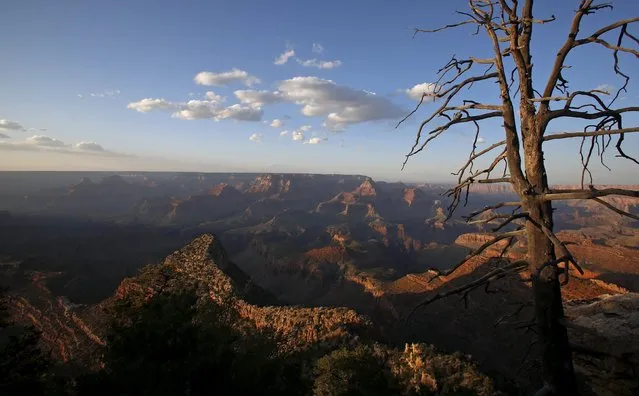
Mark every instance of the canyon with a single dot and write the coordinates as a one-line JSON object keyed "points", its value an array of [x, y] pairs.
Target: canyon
{"points": [[314, 258]]}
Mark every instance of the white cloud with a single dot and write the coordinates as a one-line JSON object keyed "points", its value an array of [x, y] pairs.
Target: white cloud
{"points": [[610, 89], [318, 48], [197, 109], [225, 78], [258, 98], [50, 144], [342, 105], [306, 128], [256, 137], [320, 64], [283, 133], [481, 140], [212, 96], [104, 94], [315, 140], [240, 113], [89, 146], [148, 104], [298, 135], [46, 141], [6, 125], [284, 57], [277, 123], [417, 91], [3, 136]]}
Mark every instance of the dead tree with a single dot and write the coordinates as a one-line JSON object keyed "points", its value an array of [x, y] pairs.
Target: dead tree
{"points": [[508, 26]]}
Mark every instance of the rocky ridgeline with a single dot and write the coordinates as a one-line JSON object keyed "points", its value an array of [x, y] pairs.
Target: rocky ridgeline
{"points": [[203, 265]]}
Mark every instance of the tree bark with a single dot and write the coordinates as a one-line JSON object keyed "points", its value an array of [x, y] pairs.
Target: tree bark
{"points": [[557, 366], [558, 371]]}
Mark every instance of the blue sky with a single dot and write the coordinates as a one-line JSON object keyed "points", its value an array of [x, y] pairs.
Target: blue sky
{"points": [[57, 54]]}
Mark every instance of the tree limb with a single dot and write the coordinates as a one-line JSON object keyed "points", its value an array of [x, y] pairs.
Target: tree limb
{"points": [[450, 26], [491, 207], [498, 273], [478, 251], [566, 135], [615, 209], [562, 195]]}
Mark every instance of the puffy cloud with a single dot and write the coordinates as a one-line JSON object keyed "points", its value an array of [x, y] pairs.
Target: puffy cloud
{"points": [[225, 78], [6, 125], [283, 133], [240, 113], [342, 105], [256, 137], [148, 104], [315, 140], [284, 57], [318, 48], [481, 140], [258, 98], [212, 96], [306, 128], [45, 141], [298, 136], [197, 109], [277, 123], [320, 64], [417, 91], [89, 146]]}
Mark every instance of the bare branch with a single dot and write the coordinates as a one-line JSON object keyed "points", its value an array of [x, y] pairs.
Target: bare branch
{"points": [[615, 209], [566, 255], [500, 180], [434, 133], [453, 25], [562, 195], [479, 251], [594, 38], [491, 207], [555, 74], [474, 156], [498, 273], [510, 220], [566, 135], [451, 92]]}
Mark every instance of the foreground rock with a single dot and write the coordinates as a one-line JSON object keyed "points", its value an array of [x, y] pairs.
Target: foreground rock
{"points": [[605, 332]]}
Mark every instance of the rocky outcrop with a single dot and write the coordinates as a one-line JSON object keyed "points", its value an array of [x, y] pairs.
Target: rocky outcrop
{"points": [[605, 332], [475, 240], [64, 329], [203, 265], [269, 184], [366, 189]]}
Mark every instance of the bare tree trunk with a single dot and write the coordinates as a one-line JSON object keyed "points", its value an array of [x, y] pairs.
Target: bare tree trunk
{"points": [[557, 366], [558, 372]]}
